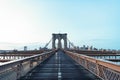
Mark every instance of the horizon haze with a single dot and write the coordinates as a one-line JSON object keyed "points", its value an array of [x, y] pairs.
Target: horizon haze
{"points": [[87, 22]]}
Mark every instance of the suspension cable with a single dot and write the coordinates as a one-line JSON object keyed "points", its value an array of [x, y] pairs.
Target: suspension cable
{"points": [[48, 43], [71, 43]]}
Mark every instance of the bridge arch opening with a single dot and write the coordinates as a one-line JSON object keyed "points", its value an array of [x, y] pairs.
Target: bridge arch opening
{"points": [[62, 38], [56, 43], [62, 44]]}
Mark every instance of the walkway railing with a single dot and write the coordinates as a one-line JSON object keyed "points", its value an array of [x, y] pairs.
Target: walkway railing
{"points": [[103, 69], [13, 70]]}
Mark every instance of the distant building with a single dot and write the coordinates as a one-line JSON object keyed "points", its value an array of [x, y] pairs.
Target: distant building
{"points": [[25, 48], [95, 49], [40, 48], [84, 47]]}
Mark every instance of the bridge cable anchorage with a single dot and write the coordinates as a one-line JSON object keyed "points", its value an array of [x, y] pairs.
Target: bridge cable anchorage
{"points": [[48, 43], [71, 44]]}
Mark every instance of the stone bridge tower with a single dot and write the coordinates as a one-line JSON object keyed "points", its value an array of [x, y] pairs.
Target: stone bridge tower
{"points": [[59, 37]]}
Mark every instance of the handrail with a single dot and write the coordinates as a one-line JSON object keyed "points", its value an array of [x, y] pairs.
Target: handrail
{"points": [[24, 59], [106, 70], [21, 66]]}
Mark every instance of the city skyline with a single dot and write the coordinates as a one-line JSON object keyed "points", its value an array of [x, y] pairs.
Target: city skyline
{"points": [[92, 23]]}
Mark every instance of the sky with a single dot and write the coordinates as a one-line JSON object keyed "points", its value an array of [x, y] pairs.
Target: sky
{"points": [[87, 22]]}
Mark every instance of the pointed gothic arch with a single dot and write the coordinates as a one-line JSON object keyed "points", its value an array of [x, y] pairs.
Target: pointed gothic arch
{"points": [[59, 37]]}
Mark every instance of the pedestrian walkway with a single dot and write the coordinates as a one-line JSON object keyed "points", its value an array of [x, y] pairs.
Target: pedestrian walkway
{"points": [[59, 67]]}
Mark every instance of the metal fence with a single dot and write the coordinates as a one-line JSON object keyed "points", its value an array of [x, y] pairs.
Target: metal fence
{"points": [[103, 69], [15, 69]]}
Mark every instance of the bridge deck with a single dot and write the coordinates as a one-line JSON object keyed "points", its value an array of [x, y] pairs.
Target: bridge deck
{"points": [[59, 67]]}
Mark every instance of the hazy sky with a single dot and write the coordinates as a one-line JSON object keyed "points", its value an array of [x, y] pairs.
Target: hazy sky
{"points": [[89, 22]]}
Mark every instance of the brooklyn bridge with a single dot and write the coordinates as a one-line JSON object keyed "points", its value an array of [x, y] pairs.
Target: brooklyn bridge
{"points": [[61, 62]]}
